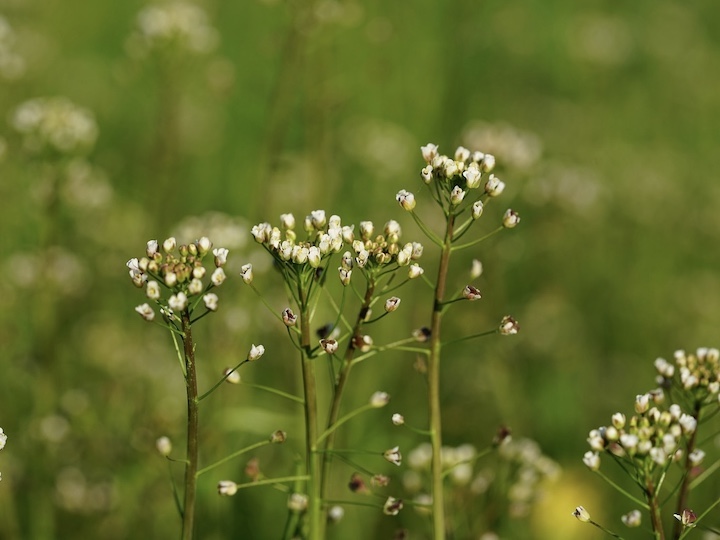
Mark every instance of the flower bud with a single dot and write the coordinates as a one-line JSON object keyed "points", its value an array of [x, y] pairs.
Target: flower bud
{"points": [[379, 399], [169, 244], [278, 437], [618, 420], [227, 488], [510, 219], [220, 256], [426, 174], [488, 163], [494, 186], [152, 248], [164, 446], [255, 352], [509, 326], [632, 519], [366, 229], [405, 199], [415, 271], [472, 178], [462, 154], [345, 275], [314, 256], [581, 514], [429, 152], [457, 195], [398, 419], [477, 209], [642, 403], [392, 506], [591, 460], [330, 346], [204, 245], [288, 317], [393, 455], [391, 304], [217, 277], [287, 221], [392, 231]]}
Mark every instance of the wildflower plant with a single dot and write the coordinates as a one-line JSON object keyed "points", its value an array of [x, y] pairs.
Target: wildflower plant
{"points": [[658, 446]]}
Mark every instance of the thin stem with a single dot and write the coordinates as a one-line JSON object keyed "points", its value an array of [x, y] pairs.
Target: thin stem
{"points": [[232, 456], [192, 429], [270, 481], [312, 457], [477, 241], [344, 419], [685, 485], [624, 492], [431, 235], [435, 412], [224, 378], [655, 518]]}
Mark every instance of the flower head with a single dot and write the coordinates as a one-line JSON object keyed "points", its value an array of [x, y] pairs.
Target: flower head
{"points": [[581, 514], [255, 352], [393, 455], [392, 506]]}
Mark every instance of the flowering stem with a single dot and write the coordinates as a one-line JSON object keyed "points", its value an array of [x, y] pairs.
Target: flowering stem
{"points": [[438, 506], [192, 429], [685, 485], [655, 518], [312, 457]]}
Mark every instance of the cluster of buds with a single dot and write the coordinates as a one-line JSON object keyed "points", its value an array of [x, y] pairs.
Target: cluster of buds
{"points": [[55, 124], [180, 270], [375, 251], [649, 440], [177, 24], [323, 238], [697, 373]]}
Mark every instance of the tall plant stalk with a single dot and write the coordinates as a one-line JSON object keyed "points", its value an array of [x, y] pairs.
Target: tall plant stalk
{"points": [[435, 412], [191, 465]]}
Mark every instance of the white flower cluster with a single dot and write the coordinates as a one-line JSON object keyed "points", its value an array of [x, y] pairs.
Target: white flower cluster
{"points": [[12, 65], [698, 373], [180, 24], [56, 124], [462, 172], [648, 440], [182, 273], [372, 251], [324, 237]]}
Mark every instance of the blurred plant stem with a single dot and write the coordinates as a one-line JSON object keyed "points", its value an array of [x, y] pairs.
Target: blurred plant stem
{"points": [[684, 490], [435, 413], [191, 464], [314, 469]]}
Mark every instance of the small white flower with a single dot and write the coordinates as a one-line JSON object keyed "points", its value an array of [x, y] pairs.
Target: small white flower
{"points": [[134, 267], [476, 270], [688, 423], [227, 488], [195, 286], [171, 279], [429, 151], [391, 304], [287, 221], [217, 277], [392, 506], [632, 518], [398, 419], [298, 502], [591, 460], [255, 352], [426, 174], [462, 154], [510, 219], [457, 195], [204, 245], [152, 290], [288, 317], [169, 244], [220, 256], [405, 199], [477, 209], [414, 271], [618, 420], [581, 514], [345, 275], [318, 219], [164, 446], [336, 513], [392, 231], [472, 178], [367, 229], [211, 301], [393, 455], [642, 403], [178, 302], [330, 346], [494, 186], [146, 312], [152, 248], [379, 399], [488, 163], [314, 256], [246, 273], [3, 439], [509, 326]]}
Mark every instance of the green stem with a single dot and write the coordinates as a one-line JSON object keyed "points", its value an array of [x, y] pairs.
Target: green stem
{"points": [[685, 485], [435, 412], [192, 429], [270, 481], [330, 430], [232, 456], [624, 492], [311, 431], [475, 242]]}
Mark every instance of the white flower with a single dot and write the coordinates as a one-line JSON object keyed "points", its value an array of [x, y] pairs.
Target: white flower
{"points": [[330, 346], [288, 317], [287, 221], [457, 195], [462, 154], [152, 248], [687, 422], [231, 375], [178, 302], [591, 460], [317, 217], [405, 199], [477, 209], [195, 286], [398, 419], [134, 267], [220, 256], [632, 518], [392, 506], [509, 326], [642, 403], [494, 186], [476, 269], [391, 304], [298, 502], [426, 174], [146, 312], [171, 279], [393, 455], [211, 301], [488, 162], [472, 178], [618, 420], [367, 228], [255, 352], [164, 446], [3, 439], [217, 277], [152, 290], [581, 514], [471, 293], [510, 219], [314, 256], [344, 275], [429, 151], [204, 245], [169, 244], [379, 399], [227, 488], [415, 271]]}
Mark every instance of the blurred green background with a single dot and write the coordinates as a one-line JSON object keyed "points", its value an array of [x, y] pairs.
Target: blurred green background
{"points": [[605, 120]]}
